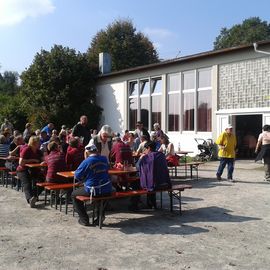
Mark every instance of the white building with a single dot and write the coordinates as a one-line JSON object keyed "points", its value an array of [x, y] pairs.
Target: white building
{"points": [[192, 97]]}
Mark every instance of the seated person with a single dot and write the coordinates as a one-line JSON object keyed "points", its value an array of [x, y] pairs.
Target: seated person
{"points": [[141, 146], [30, 154], [4, 149], [167, 148], [121, 153], [75, 154], [14, 151], [154, 138], [56, 163], [43, 137], [93, 172]]}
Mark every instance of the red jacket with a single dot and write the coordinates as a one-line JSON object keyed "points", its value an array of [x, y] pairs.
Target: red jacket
{"points": [[74, 157]]}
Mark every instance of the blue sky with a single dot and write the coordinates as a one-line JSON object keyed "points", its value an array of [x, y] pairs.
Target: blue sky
{"points": [[188, 26]]}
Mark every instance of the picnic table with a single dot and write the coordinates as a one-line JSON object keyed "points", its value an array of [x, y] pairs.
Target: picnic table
{"points": [[183, 153]]}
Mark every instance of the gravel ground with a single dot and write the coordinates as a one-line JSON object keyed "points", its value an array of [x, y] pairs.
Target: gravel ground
{"points": [[224, 226]]}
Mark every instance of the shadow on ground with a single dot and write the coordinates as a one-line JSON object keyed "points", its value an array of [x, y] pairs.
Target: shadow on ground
{"points": [[161, 222]]}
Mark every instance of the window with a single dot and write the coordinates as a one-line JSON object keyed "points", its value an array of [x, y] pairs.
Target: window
{"points": [[189, 80], [204, 110], [188, 98], [145, 104], [189, 110], [133, 104], [156, 97], [174, 87], [204, 78]]}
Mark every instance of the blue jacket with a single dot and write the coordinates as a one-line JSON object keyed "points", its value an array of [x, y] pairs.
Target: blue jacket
{"points": [[93, 171]]}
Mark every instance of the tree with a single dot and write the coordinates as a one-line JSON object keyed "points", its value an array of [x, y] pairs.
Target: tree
{"points": [[59, 87], [251, 30], [127, 47], [9, 82]]}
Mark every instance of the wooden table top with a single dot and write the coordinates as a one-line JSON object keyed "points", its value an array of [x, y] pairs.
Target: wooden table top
{"points": [[36, 165], [9, 158], [70, 174]]}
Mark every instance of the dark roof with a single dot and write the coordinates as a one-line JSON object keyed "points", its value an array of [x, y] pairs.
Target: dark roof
{"points": [[184, 59]]}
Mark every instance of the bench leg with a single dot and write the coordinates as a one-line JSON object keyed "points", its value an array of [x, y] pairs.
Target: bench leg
{"points": [[66, 203], [100, 214], [171, 201], [93, 215]]}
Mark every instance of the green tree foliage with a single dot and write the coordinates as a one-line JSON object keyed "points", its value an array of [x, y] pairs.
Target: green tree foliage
{"points": [[9, 82], [59, 87], [10, 108], [251, 30], [127, 47]]}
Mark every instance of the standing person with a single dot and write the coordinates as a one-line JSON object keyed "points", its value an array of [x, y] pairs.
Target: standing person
{"points": [[93, 172], [103, 141], [27, 132], [264, 144], [140, 130], [30, 154], [8, 125], [82, 131], [227, 146], [48, 128]]}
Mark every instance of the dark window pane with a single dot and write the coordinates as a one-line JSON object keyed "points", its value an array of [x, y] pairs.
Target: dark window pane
{"points": [[204, 111], [145, 111], [174, 112], [157, 86], [133, 108], [133, 88], [145, 88], [156, 109], [188, 111]]}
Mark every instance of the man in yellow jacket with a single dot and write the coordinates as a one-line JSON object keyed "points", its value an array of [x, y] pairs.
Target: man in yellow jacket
{"points": [[227, 146]]}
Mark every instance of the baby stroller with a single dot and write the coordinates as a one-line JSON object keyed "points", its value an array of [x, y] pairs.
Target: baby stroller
{"points": [[206, 148]]}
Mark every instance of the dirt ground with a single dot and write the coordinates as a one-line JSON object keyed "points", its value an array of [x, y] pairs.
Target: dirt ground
{"points": [[224, 226]]}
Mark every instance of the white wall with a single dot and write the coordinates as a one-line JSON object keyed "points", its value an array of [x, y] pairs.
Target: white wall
{"points": [[187, 140], [111, 97]]}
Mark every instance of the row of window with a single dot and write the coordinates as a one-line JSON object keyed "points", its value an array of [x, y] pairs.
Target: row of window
{"points": [[189, 95]]}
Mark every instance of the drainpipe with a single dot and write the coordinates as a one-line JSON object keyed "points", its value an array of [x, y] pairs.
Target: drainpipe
{"points": [[255, 45]]}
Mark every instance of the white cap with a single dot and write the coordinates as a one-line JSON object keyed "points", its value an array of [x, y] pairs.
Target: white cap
{"points": [[90, 147], [229, 127]]}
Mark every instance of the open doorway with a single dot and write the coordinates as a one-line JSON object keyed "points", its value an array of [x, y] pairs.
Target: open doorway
{"points": [[247, 130]]}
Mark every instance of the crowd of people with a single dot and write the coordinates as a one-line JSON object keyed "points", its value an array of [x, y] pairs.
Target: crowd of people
{"points": [[87, 152]]}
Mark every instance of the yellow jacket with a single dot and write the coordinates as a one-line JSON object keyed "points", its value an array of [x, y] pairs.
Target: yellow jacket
{"points": [[229, 143]]}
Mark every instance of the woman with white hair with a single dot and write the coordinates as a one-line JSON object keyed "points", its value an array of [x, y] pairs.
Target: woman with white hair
{"points": [[103, 141], [158, 131]]}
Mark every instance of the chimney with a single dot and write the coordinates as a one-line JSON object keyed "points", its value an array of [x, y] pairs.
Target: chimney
{"points": [[105, 63]]}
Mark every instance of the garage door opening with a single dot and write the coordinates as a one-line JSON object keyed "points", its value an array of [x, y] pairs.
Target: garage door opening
{"points": [[248, 128]]}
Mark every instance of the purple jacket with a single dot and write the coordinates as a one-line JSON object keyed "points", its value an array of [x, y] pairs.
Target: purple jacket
{"points": [[154, 173]]}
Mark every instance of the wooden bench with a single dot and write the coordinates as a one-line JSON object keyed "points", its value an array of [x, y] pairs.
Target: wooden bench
{"points": [[55, 188], [174, 192]]}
